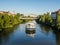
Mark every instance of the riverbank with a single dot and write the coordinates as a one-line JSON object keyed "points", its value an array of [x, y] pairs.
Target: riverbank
{"points": [[8, 27], [8, 21], [46, 19], [47, 24]]}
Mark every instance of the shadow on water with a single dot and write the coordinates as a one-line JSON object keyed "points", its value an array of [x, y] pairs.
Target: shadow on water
{"points": [[57, 36], [5, 33], [47, 29]]}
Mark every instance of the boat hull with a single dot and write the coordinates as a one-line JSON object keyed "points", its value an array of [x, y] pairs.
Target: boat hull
{"points": [[30, 31]]}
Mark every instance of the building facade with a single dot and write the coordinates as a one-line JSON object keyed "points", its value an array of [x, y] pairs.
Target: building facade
{"points": [[54, 16]]}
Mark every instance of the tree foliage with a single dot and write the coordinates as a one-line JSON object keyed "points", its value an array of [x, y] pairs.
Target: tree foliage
{"points": [[9, 20]]}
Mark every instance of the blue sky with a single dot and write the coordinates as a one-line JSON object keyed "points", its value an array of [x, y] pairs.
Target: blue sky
{"points": [[30, 6]]}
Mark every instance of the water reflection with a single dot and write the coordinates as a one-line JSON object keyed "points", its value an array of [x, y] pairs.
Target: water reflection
{"points": [[45, 29], [5, 35], [57, 37], [0, 39], [43, 35], [30, 33], [56, 34]]}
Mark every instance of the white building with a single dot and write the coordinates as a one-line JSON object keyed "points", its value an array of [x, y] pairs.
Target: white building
{"points": [[54, 14]]}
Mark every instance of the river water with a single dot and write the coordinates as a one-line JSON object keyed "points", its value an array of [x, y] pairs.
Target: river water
{"points": [[44, 35]]}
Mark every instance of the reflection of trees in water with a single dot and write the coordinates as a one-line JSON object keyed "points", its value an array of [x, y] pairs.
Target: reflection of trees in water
{"points": [[45, 29], [4, 35], [0, 38], [57, 37]]}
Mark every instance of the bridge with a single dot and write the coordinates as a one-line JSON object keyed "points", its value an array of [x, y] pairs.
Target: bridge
{"points": [[29, 18]]}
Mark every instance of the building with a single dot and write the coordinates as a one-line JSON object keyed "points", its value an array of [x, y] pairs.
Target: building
{"points": [[54, 16], [7, 12]]}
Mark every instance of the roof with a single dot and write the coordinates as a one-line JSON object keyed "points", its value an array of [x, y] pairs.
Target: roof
{"points": [[56, 12]]}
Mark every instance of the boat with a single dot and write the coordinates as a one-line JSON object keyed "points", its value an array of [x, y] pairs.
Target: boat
{"points": [[31, 27]]}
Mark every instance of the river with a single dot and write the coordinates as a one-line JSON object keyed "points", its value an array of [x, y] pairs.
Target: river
{"points": [[44, 35]]}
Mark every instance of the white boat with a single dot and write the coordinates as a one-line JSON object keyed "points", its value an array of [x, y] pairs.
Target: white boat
{"points": [[31, 26]]}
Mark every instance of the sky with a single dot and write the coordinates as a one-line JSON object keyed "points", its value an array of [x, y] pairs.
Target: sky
{"points": [[29, 6]]}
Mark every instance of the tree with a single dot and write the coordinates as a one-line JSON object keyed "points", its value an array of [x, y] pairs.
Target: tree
{"points": [[58, 21]]}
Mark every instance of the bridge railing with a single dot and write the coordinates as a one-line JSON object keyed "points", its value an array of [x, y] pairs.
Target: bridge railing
{"points": [[29, 18]]}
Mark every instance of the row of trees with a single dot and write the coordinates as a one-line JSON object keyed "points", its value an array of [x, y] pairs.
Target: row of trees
{"points": [[58, 21], [47, 19], [9, 20]]}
